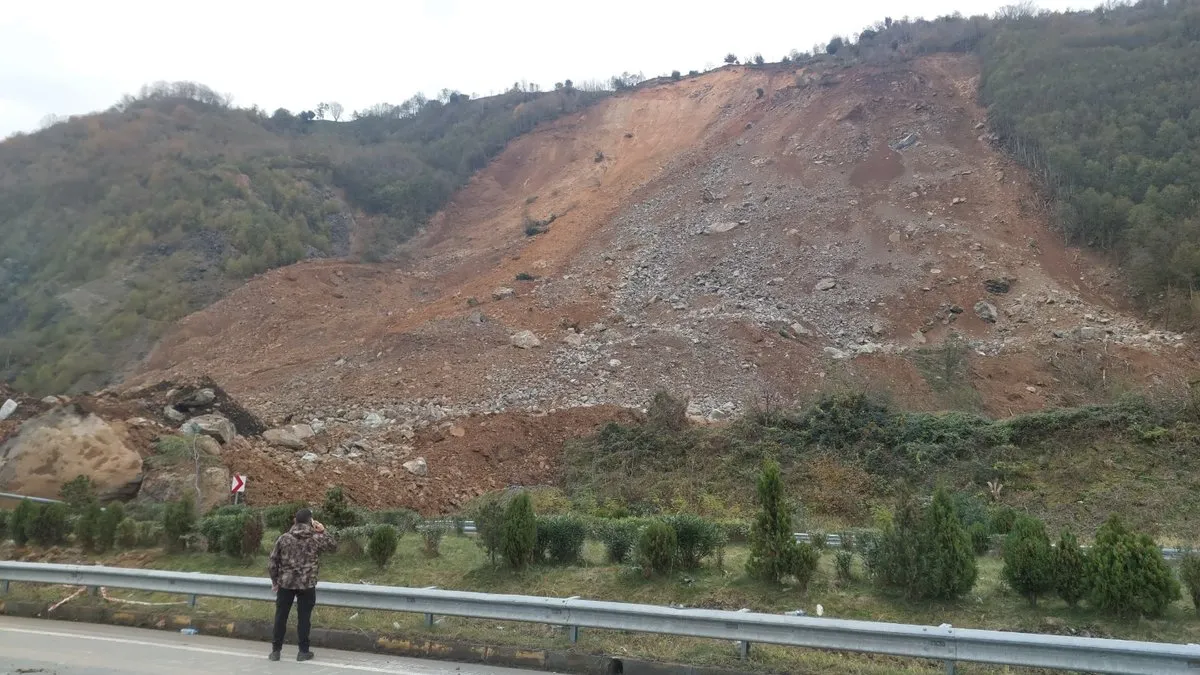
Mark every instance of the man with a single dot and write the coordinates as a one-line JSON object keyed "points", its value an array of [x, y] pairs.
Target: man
{"points": [[293, 571]]}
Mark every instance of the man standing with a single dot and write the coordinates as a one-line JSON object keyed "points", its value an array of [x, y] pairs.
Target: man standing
{"points": [[293, 569]]}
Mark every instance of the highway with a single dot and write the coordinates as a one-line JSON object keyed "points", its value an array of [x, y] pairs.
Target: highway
{"points": [[31, 646]]}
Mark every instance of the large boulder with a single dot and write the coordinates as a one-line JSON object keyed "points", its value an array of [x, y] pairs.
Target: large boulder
{"points": [[215, 425], [180, 481], [64, 443], [291, 436]]}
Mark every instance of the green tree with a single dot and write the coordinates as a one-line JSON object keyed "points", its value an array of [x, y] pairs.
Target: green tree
{"points": [[78, 494], [87, 526], [772, 543], [179, 521], [1070, 569], [520, 531], [657, 548], [106, 528], [489, 526], [1127, 573], [50, 526], [1029, 559], [1189, 573], [382, 545], [21, 523], [945, 560], [337, 509]]}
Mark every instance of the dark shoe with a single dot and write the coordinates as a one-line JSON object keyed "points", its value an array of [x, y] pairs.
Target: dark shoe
{"points": [[304, 656], [274, 656]]}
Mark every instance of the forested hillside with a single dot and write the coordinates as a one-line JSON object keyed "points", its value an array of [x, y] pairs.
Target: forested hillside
{"points": [[116, 224]]}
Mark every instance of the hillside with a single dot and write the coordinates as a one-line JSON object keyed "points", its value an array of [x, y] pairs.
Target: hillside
{"points": [[751, 234], [117, 224]]}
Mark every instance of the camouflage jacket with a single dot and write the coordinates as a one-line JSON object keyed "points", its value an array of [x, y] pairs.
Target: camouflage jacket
{"points": [[294, 563]]}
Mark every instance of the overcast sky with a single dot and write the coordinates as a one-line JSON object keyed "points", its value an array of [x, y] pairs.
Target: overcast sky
{"points": [[78, 56]]}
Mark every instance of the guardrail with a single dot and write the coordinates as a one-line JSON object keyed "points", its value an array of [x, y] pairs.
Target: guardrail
{"points": [[941, 643], [35, 500]]}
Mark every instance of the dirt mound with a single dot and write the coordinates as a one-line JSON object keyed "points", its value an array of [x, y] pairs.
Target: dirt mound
{"points": [[715, 241]]}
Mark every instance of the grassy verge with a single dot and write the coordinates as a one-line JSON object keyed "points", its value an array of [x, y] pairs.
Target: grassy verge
{"points": [[462, 566]]}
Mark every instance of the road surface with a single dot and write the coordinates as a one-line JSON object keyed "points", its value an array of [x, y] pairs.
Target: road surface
{"points": [[31, 646]]}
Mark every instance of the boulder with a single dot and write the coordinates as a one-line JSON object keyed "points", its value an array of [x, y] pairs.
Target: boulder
{"points": [[292, 436], [9, 407], [502, 293], [525, 340], [197, 399], [174, 414], [180, 481], [826, 284], [986, 311], [417, 467], [215, 425], [63, 443], [574, 339], [997, 286]]}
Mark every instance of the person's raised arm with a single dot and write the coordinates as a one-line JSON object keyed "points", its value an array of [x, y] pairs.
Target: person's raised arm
{"points": [[325, 540]]}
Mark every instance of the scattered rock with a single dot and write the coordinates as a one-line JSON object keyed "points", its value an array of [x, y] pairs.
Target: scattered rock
{"points": [[48, 400], [309, 457], [174, 414], [374, 420], [826, 284], [906, 142], [997, 286], [986, 311], [216, 425], [292, 436], [574, 339], [197, 399], [799, 330], [417, 467], [502, 293], [721, 228], [457, 431], [6, 410], [958, 200], [614, 363], [525, 340]]}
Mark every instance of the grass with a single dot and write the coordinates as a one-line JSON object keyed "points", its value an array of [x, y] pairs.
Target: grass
{"points": [[462, 566]]}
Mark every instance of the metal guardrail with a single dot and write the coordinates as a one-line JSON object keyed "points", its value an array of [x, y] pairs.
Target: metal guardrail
{"points": [[35, 500], [941, 643]]}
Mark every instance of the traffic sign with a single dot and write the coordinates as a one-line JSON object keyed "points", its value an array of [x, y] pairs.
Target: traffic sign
{"points": [[239, 484]]}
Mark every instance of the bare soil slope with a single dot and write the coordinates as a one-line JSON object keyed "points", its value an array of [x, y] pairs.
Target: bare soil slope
{"points": [[746, 234]]}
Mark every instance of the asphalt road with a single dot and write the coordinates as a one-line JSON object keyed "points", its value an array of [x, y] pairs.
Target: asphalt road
{"points": [[30, 646]]}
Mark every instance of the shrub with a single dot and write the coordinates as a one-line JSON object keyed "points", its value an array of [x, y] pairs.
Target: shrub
{"points": [[520, 531], [818, 540], [1002, 519], [77, 493], [127, 534], [150, 534], [106, 530], [404, 520], [1189, 573], [843, 563], [5, 519], [666, 413], [771, 538], [382, 545], [892, 558], [947, 563], [21, 522], [353, 541], [697, 538], [50, 525], [675, 75], [1028, 559], [804, 559], [213, 529], [619, 537], [1127, 574], [86, 526], [179, 520], [1070, 569], [560, 539], [281, 517], [525, 276], [336, 509], [489, 526], [251, 534], [657, 548], [981, 538], [432, 535], [758, 93]]}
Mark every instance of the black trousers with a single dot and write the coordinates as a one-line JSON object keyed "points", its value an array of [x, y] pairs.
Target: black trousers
{"points": [[305, 601]]}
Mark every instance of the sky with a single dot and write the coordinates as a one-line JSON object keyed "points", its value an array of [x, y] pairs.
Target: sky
{"points": [[78, 56]]}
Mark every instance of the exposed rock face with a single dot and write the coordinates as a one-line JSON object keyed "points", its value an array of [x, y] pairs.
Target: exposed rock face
{"points": [[217, 426], [167, 486], [59, 445]]}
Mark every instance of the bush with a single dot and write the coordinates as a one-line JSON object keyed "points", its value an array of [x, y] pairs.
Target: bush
{"points": [[5, 518], [250, 535], [619, 537], [50, 525], [560, 539], [1070, 569], [981, 538], [818, 540], [21, 522], [77, 493], [696, 538], [1028, 559], [1127, 574], [213, 529], [1002, 519], [382, 546], [150, 534], [1189, 573], [127, 534], [404, 520], [281, 517], [106, 531], [179, 520], [947, 563], [489, 526], [675, 75], [657, 548], [803, 564], [843, 563], [353, 541], [520, 531], [336, 509], [87, 525], [432, 535], [771, 539]]}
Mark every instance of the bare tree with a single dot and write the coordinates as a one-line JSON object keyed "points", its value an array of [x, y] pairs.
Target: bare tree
{"points": [[335, 110]]}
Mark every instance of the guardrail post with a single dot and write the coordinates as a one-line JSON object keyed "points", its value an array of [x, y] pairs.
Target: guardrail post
{"points": [[743, 646], [428, 616], [4, 587], [573, 631], [192, 601], [951, 669]]}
